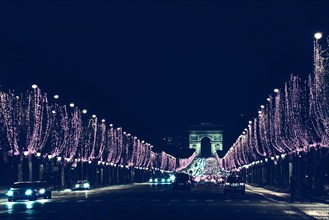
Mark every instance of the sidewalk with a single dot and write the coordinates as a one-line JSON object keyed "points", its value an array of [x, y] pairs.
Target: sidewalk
{"points": [[315, 198]]}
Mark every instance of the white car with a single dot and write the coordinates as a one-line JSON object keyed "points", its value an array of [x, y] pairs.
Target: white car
{"points": [[82, 184]]}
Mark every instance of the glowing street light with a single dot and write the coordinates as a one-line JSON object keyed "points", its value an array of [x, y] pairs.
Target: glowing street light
{"points": [[34, 86], [318, 35], [53, 111], [56, 96], [72, 105], [276, 90], [84, 111], [93, 116], [103, 120], [26, 153]]}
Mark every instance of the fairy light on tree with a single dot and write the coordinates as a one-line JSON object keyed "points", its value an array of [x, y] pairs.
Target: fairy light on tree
{"points": [[290, 120], [75, 130], [60, 131]]}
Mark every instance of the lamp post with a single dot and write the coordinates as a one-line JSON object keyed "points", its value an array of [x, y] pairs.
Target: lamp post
{"points": [[38, 154]]}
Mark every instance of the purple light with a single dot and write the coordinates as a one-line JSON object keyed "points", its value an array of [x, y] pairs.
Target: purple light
{"points": [[291, 119]]}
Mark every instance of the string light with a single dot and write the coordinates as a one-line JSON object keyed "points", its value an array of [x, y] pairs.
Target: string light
{"points": [[290, 120]]}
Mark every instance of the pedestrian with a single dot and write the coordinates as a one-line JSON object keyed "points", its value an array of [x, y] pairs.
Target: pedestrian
{"points": [[304, 188], [292, 189]]}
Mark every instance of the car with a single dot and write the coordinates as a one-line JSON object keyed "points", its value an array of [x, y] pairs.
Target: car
{"points": [[182, 181], [234, 184], [28, 190], [221, 180], [209, 180], [164, 178], [82, 184], [154, 180]]}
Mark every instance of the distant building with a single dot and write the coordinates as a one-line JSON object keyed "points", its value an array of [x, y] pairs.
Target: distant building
{"points": [[206, 139]]}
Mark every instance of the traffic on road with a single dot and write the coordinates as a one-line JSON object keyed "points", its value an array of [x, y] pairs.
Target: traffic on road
{"points": [[164, 201]]}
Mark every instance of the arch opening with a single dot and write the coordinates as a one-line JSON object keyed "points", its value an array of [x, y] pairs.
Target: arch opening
{"points": [[205, 147]]}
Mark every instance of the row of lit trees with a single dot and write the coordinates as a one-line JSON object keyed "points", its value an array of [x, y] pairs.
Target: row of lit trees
{"points": [[294, 119], [30, 125]]}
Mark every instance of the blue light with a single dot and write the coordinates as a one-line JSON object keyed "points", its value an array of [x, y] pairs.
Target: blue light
{"points": [[28, 192], [10, 193]]}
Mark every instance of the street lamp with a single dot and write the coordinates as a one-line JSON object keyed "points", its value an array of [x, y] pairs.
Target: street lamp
{"points": [[56, 96], [318, 35], [93, 116], [84, 111], [276, 90], [34, 86], [26, 153], [72, 105]]}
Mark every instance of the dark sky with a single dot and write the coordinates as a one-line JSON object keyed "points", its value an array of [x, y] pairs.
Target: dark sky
{"points": [[155, 67]]}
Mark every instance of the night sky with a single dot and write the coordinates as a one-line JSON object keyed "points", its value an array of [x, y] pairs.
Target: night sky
{"points": [[155, 67]]}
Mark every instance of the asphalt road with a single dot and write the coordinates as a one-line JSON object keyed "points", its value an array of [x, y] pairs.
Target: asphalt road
{"points": [[144, 201]]}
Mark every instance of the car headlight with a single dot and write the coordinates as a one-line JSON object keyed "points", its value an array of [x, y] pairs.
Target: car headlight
{"points": [[10, 193], [156, 180], [86, 185], [151, 180], [241, 184], [172, 178], [227, 184], [42, 191], [168, 180], [163, 180], [28, 192], [77, 185]]}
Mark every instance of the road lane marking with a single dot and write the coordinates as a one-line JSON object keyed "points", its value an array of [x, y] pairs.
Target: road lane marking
{"points": [[209, 200], [192, 200], [264, 201], [261, 211], [245, 200], [98, 200], [227, 200], [80, 201], [290, 212], [156, 200], [174, 200], [60, 201]]}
